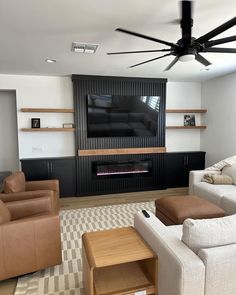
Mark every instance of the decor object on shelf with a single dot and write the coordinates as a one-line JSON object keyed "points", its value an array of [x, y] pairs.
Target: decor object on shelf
{"points": [[212, 267], [68, 125], [189, 120], [188, 47], [35, 122]]}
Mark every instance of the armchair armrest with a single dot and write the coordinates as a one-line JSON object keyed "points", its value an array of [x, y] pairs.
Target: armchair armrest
{"points": [[196, 176], [11, 197], [180, 270], [51, 184], [33, 242], [25, 208]]}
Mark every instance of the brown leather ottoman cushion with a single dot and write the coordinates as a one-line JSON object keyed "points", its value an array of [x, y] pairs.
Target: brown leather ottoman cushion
{"points": [[177, 209]]}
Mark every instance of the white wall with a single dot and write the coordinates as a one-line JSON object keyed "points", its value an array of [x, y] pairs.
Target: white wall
{"points": [[57, 92], [182, 95], [42, 92], [219, 139], [9, 158]]}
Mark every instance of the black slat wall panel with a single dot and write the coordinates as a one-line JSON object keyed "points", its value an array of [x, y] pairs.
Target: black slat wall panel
{"points": [[84, 85], [86, 184]]}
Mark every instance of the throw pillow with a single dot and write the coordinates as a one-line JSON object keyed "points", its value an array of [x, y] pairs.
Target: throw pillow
{"points": [[224, 163], [207, 233], [230, 171], [14, 183], [217, 179]]}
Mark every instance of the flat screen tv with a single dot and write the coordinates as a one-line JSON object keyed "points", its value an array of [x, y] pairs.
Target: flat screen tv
{"points": [[122, 115]]}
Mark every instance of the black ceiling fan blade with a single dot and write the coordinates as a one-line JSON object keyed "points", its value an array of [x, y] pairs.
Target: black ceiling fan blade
{"points": [[220, 50], [139, 51], [202, 60], [147, 37], [220, 41], [174, 61], [186, 22], [217, 31], [144, 62]]}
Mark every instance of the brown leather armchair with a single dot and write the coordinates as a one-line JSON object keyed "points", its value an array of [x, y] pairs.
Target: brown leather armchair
{"points": [[15, 188], [29, 236]]}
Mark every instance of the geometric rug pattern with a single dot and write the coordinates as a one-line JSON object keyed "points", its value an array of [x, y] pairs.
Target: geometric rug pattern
{"points": [[66, 279]]}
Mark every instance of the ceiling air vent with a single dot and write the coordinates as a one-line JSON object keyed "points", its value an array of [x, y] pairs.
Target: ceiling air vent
{"points": [[83, 47]]}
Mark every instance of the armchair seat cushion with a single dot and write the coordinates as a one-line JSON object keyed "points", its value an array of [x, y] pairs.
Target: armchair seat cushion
{"points": [[14, 183]]}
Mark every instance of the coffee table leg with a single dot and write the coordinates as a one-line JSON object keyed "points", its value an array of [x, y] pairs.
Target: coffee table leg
{"points": [[87, 274]]}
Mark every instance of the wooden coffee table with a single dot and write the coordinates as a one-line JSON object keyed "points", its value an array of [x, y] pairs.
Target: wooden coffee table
{"points": [[118, 261]]}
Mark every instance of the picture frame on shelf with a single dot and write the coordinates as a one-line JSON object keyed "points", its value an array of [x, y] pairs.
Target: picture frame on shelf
{"points": [[35, 122], [189, 120]]}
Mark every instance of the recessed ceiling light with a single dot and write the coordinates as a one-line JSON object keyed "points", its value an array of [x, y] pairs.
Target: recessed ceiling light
{"points": [[50, 61]]}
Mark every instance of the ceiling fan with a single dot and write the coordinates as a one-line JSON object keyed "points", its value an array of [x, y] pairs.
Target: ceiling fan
{"points": [[187, 48]]}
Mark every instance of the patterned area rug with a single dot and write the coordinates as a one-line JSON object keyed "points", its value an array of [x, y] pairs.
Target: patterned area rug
{"points": [[66, 279]]}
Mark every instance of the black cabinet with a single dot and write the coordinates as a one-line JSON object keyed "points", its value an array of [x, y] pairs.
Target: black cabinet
{"points": [[62, 169], [178, 164]]}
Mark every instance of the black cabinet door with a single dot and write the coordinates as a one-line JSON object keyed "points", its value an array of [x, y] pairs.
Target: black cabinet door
{"points": [[64, 170], [36, 169], [179, 164], [175, 172]]}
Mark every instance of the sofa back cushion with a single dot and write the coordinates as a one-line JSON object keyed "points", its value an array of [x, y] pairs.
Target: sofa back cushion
{"points": [[230, 171], [5, 215], [206, 233], [14, 183]]}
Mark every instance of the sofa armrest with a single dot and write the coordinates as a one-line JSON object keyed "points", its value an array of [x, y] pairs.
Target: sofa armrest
{"points": [[195, 176], [28, 245], [25, 208], [180, 270], [51, 184]]}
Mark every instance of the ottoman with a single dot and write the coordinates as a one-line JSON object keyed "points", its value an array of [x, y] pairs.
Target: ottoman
{"points": [[174, 210]]}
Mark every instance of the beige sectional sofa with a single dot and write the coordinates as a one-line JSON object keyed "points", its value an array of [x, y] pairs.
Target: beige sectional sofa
{"points": [[223, 195], [198, 258]]}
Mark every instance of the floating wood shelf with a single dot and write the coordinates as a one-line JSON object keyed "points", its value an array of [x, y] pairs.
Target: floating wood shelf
{"points": [[47, 129], [128, 151], [186, 111], [46, 110], [185, 127]]}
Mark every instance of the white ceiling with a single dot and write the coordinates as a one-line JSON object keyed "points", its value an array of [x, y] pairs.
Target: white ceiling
{"points": [[33, 30]]}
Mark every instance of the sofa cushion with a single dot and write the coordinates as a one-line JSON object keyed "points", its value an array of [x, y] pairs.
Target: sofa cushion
{"points": [[14, 183], [207, 233], [5, 215], [142, 132], [213, 193], [230, 171]]}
